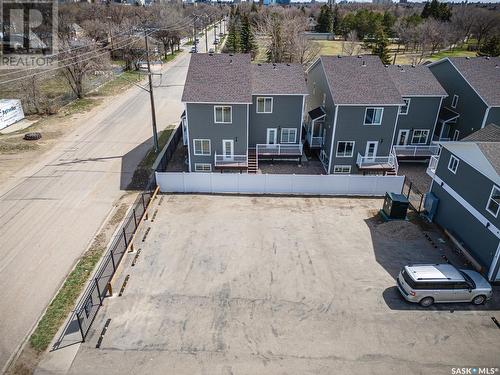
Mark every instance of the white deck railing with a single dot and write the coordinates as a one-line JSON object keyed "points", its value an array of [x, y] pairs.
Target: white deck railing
{"points": [[279, 149], [415, 150], [231, 161], [377, 162], [431, 169]]}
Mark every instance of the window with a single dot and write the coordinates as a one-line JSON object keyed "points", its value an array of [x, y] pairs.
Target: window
{"points": [[453, 164], [264, 105], [403, 110], [373, 116], [345, 149], [420, 136], [454, 101], [494, 201], [341, 169], [202, 167], [201, 147], [288, 135], [456, 134], [222, 114]]}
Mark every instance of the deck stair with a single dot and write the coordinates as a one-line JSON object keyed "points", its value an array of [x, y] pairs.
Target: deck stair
{"points": [[253, 166]]}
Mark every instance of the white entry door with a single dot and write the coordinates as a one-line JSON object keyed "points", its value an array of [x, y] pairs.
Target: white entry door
{"points": [[227, 149], [371, 149], [403, 136], [272, 136]]}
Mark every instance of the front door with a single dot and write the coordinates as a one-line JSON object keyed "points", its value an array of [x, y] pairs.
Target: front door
{"points": [[371, 149], [227, 149], [272, 135], [403, 136]]}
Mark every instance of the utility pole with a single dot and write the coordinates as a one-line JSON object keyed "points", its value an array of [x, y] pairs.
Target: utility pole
{"points": [[206, 38], [151, 97], [215, 36]]}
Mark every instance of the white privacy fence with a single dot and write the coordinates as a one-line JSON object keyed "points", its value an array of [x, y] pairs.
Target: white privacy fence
{"points": [[173, 182]]}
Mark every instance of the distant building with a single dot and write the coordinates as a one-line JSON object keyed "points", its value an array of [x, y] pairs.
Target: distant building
{"points": [[382, 1]]}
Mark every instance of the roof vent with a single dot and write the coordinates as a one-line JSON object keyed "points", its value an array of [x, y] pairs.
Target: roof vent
{"points": [[386, 65], [467, 58], [496, 66], [231, 61], [287, 64], [399, 66], [412, 65], [359, 56], [274, 66], [230, 54], [487, 57]]}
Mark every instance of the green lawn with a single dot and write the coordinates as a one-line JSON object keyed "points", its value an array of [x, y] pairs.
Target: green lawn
{"points": [[119, 83]]}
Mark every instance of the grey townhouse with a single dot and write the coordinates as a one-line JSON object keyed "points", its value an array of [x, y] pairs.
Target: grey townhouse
{"points": [[237, 112], [472, 84], [466, 183], [360, 109]]}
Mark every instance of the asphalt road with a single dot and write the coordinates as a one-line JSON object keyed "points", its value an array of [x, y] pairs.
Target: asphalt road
{"points": [[51, 211]]}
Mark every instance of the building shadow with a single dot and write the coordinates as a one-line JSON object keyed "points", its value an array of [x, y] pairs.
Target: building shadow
{"points": [[399, 243], [133, 176]]}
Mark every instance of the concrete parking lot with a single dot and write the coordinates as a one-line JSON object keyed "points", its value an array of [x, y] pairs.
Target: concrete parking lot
{"points": [[282, 285]]}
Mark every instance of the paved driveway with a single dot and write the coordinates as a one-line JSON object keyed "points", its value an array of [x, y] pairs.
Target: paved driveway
{"points": [[275, 285]]}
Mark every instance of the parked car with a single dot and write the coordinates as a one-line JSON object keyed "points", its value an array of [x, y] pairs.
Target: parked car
{"points": [[193, 50], [211, 50], [436, 283]]}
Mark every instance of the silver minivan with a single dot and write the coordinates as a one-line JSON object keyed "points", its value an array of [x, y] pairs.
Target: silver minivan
{"points": [[433, 283]]}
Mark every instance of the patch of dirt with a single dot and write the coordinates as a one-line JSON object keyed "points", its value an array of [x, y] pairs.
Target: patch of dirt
{"points": [[26, 363], [400, 229]]}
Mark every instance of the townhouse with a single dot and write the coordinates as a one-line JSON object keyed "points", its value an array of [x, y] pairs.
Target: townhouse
{"points": [[361, 109], [473, 95], [237, 112], [465, 192]]}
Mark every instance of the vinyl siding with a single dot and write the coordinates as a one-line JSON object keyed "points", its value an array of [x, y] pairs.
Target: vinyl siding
{"points": [[422, 114]]}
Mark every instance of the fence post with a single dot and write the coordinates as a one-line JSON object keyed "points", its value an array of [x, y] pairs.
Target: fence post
{"points": [[80, 326], [125, 237], [112, 260], [143, 203], [409, 189], [135, 218], [420, 205], [98, 291]]}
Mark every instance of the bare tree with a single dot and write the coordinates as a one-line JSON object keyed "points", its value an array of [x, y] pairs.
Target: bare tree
{"points": [[351, 46], [485, 22]]}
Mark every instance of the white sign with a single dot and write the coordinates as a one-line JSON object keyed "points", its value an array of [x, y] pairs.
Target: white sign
{"points": [[11, 111]]}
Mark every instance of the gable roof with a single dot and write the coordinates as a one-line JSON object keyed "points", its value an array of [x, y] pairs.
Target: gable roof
{"points": [[481, 150], [483, 74], [360, 80], [284, 79], [232, 78], [415, 80], [218, 78]]}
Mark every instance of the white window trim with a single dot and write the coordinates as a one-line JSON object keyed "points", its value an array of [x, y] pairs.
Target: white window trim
{"points": [[342, 166], [209, 147], [289, 129], [196, 165], [427, 131], [407, 107], [230, 114], [495, 214], [454, 101], [257, 104], [456, 135], [381, 116], [453, 158], [344, 156]]}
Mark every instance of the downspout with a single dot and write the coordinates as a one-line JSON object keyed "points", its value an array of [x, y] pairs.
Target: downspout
{"points": [[332, 140]]}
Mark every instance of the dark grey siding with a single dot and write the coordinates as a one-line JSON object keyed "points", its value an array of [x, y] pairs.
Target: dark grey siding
{"points": [[493, 116], [470, 105], [318, 86], [201, 126], [475, 188], [350, 127], [422, 114], [287, 113]]}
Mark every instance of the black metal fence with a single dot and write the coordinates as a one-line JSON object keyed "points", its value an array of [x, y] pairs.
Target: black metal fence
{"points": [[415, 196], [169, 150], [97, 290]]}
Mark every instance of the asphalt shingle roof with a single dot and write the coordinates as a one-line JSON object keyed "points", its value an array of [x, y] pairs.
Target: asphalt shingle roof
{"points": [[278, 79], [360, 80], [415, 80], [490, 133], [218, 78], [483, 73]]}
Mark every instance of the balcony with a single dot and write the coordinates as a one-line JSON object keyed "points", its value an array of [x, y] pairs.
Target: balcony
{"points": [[377, 163], [281, 150], [431, 169], [231, 161], [415, 152], [314, 142]]}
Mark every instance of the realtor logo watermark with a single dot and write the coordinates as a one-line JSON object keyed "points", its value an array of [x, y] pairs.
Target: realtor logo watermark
{"points": [[475, 370], [28, 34]]}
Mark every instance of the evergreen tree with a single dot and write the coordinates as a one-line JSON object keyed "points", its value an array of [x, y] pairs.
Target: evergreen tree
{"points": [[379, 47], [233, 37], [324, 20], [436, 10], [254, 7], [336, 20], [491, 47], [247, 40]]}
